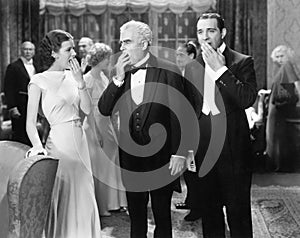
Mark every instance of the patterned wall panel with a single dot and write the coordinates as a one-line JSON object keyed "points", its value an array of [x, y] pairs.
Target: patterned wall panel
{"points": [[283, 28], [174, 29], [89, 25], [187, 25]]}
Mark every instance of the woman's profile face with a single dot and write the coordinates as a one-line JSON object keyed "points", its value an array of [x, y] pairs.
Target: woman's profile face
{"points": [[280, 57], [65, 53]]}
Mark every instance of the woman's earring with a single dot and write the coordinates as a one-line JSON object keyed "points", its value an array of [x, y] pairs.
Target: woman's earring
{"points": [[54, 55]]}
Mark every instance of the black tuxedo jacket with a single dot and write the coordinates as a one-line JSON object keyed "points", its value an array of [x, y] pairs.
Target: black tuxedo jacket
{"points": [[235, 91], [160, 75], [15, 86]]}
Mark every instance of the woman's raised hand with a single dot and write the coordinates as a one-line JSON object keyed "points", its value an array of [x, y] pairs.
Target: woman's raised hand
{"points": [[76, 70], [36, 150]]}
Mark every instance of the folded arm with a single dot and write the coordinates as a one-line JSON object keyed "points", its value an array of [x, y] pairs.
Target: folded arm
{"points": [[241, 86]]}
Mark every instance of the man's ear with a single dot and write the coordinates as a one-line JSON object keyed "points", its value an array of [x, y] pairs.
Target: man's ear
{"points": [[223, 33], [145, 44], [191, 55]]}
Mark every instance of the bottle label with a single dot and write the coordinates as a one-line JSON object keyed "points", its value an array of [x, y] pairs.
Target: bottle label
{"points": [[191, 165]]}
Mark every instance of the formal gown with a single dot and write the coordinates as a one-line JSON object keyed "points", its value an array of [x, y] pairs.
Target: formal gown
{"points": [[73, 212], [103, 148]]}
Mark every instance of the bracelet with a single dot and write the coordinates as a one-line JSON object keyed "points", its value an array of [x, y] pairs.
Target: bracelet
{"points": [[117, 82]]}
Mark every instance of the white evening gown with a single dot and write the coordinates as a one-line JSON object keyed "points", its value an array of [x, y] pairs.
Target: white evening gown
{"points": [[109, 189], [73, 212]]}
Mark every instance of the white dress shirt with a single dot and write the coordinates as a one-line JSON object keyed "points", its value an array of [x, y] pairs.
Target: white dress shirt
{"points": [[138, 81], [28, 66], [210, 77]]}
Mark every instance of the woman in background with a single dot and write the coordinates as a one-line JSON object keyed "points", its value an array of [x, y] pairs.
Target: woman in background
{"points": [[102, 140], [282, 106], [185, 53], [61, 94]]}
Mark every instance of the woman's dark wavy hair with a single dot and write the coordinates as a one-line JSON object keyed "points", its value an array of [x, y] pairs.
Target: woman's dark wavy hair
{"points": [[50, 43], [191, 48]]}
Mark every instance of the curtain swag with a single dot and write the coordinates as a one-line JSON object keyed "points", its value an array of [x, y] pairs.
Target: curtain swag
{"points": [[97, 7]]}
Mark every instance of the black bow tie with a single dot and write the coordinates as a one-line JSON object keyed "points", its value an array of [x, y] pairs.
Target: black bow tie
{"points": [[135, 69]]}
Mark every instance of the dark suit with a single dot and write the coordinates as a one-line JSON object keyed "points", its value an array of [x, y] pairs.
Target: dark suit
{"points": [[138, 119], [228, 182], [15, 88]]}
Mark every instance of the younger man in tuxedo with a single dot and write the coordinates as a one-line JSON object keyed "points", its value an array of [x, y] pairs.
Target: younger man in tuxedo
{"points": [[227, 79]]}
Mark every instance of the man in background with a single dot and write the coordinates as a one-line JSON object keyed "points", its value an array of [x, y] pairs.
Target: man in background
{"points": [[84, 46], [16, 79]]}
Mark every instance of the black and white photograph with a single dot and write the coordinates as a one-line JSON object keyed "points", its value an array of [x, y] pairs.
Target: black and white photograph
{"points": [[150, 119]]}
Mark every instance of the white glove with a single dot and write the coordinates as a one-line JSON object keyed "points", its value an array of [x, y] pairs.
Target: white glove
{"points": [[36, 151], [177, 164]]}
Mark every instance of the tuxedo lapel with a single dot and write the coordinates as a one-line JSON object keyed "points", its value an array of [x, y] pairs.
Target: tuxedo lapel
{"points": [[152, 76], [228, 57], [127, 90], [229, 64], [23, 69], [200, 60], [201, 73]]}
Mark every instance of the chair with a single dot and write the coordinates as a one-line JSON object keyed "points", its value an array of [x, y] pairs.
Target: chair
{"points": [[29, 193], [5, 122], [10, 154]]}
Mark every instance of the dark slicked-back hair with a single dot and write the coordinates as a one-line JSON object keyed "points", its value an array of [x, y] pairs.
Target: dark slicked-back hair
{"points": [[213, 15], [50, 43], [190, 48]]}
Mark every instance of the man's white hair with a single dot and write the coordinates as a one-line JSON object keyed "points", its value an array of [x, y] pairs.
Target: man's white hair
{"points": [[142, 29]]}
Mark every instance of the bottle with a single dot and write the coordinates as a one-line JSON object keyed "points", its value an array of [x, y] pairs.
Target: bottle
{"points": [[191, 165]]}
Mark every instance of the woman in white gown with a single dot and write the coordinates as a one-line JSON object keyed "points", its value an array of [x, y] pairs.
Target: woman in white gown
{"points": [[101, 136], [61, 93]]}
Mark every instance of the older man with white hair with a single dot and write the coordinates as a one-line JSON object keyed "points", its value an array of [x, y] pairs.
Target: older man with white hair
{"points": [[144, 83], [17, 77]]}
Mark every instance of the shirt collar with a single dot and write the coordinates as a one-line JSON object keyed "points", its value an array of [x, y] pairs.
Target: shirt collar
{"points": [[142, 61], [222, 47], [25, 61]]}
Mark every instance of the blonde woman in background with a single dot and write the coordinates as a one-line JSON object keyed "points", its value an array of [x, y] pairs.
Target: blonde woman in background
{"points": [[282, 106], [102, 139]]}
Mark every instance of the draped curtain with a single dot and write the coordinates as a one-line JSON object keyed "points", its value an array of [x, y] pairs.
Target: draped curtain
{"points": [[19, 22], [97, 7], [246, 23], [245, 20]]}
